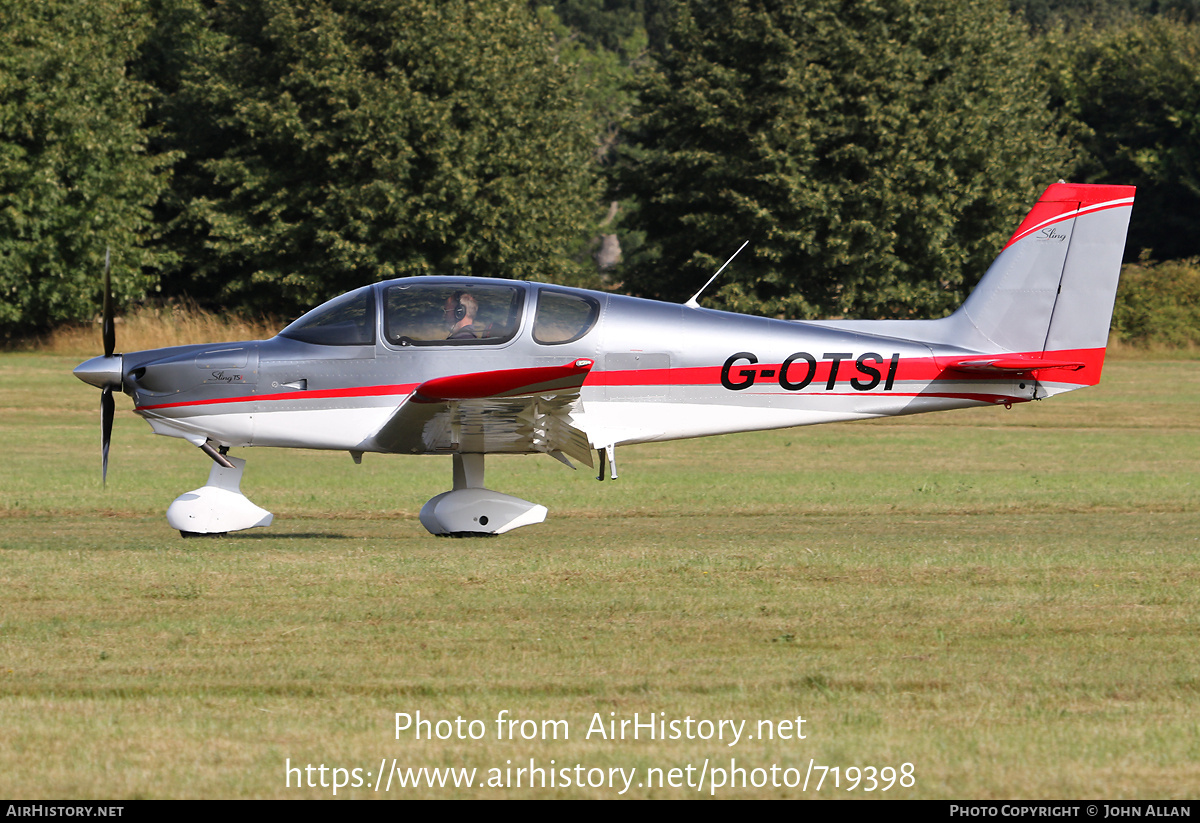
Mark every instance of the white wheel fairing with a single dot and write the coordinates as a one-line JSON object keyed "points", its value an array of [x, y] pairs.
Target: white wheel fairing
{"points": [[218, 506], [478, 511]]}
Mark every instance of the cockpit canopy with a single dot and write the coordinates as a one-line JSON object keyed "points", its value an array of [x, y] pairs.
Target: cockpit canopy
{"points": [[419, 312]]}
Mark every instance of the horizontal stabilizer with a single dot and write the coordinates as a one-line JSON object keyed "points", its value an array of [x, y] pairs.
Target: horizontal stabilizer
{"points": [[1011, 364]]}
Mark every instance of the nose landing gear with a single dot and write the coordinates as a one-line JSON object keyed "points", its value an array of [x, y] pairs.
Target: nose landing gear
{"points": [[218, 506]]}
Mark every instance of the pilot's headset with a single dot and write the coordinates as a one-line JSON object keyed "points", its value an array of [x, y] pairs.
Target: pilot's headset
{"points": [[460, 311]]}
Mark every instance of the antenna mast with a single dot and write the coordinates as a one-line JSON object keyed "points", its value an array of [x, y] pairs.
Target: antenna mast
{"points": [[691, 303]]}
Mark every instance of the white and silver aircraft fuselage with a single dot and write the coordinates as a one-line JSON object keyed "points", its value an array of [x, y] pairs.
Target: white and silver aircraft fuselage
{"points": [[474, 366]]}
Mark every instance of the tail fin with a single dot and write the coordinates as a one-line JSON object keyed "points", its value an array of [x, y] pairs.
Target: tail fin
{"points": [[1050, 292]]}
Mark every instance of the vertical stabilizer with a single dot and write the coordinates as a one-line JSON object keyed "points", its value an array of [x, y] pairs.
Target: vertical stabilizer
{"points": [[1052, 288]]}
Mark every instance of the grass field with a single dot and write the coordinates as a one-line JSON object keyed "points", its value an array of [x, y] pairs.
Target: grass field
{"points": [[1007, 600]]}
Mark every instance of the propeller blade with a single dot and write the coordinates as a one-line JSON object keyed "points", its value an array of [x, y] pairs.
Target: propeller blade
{"points": [[107, 411], [110, 331]]}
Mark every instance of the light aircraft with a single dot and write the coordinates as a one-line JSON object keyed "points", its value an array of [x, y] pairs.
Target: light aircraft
{"points": [[468, 367]]}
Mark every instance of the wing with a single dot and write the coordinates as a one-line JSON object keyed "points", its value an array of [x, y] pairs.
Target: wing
{"points": [[515, 411]]}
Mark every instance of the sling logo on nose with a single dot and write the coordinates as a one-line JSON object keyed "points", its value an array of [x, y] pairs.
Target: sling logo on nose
{"points": [[799, 370]]}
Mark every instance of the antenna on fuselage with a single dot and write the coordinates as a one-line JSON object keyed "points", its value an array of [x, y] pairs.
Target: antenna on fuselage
{"points": [[692, 301]]}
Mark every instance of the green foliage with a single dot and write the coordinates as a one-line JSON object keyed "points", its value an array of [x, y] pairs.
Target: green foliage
{"points": [[875, 154], [268, 155], [602, 24], [1135, 89], [1071, 13], [608, 25], [336, 142], [601, 77], [75, 174], [1158, 304]]}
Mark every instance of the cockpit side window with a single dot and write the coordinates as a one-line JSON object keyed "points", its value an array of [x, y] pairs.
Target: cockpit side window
{"points": [[348, 320], [563, 317], [453, 314]]}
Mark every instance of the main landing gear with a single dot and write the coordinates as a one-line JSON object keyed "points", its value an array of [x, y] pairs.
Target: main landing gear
{"points": [[470, 510]]}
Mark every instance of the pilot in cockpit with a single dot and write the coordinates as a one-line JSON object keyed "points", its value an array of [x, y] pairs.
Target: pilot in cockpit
{"points": [[459, 313]]}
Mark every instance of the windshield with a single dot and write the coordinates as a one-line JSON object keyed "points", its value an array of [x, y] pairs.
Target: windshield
{"points": [[348, 320]]}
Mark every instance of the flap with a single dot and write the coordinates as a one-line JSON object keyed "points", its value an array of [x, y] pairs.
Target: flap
{"points": [[515, 411]]}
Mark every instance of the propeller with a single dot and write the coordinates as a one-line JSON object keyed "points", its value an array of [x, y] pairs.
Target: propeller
{"points": [[107, 410], [110, 331], [105, 372], [108, 406]]}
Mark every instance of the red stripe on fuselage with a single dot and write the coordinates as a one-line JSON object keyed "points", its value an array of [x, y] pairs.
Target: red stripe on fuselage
{"points": [[909, 369], [320, 394]]}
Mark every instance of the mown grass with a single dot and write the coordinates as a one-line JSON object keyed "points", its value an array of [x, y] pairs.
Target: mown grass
{"points": [[1008, 600]]}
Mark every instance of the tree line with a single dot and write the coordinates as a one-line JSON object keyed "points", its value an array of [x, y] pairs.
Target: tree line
{"points": [[264, 155]]}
